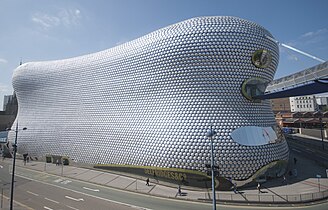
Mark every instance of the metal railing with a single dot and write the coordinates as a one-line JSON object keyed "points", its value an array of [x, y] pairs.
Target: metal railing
{"points": [[278, 199]]}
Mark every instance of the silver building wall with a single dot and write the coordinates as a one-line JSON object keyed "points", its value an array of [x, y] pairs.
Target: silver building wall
{"points": [[150, 101]]}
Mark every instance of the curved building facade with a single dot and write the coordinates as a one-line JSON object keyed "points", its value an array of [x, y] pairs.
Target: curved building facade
{"points": [[150, 101]]}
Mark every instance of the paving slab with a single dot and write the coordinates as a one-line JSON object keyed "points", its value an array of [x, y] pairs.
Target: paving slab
{"points": [[121, 182], [103, 178], [88, 175], [73, 172], [139, 186], [164, 191]]}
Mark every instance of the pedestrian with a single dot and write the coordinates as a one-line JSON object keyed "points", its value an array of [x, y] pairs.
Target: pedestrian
{"points": [[295, 160], [179, 190], [284, 180], [57, 162], [235, 188], [259, 187], [147, 181]]}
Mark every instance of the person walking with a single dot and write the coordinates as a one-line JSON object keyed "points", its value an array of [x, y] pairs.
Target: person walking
{"points": [[179, 190], [235, 187], [147, 181], [259, 187], [284, 180]]}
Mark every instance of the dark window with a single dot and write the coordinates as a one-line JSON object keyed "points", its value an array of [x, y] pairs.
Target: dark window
{"points": [[253, 87]]}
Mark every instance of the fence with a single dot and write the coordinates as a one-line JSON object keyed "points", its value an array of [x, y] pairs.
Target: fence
{"points": [[262, 198]]}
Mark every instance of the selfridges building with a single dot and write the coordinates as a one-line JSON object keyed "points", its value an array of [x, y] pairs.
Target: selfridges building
{"points": [[150, 101]]}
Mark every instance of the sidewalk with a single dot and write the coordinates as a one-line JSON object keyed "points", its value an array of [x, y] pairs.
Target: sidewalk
{"points": [[298, 190]]}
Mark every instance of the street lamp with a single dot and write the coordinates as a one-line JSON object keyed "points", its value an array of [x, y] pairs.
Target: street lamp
{"points": [[210, 133], [14, 162], [321, 132]]}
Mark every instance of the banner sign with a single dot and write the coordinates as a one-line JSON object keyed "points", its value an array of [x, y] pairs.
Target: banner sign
{"points": [[173, 175]]}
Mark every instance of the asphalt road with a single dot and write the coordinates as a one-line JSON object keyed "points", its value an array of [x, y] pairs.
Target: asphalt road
{"points": [[38, 190], [311, 149]]}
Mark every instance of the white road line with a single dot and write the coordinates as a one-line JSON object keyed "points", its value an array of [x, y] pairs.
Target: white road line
{"points": [[48, 199], [322, 157], [296, 150], [93, 196], [45, 207], [1, 166], [74, 199], [65, 182], [32, 193], [95, 190], [71, 207]]}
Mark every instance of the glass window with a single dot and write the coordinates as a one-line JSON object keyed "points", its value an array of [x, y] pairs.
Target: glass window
{"points": [[253, 87], [261, 58]]}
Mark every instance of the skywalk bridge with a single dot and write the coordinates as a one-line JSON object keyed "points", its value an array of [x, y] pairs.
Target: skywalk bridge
{"points": [[313, 80]]}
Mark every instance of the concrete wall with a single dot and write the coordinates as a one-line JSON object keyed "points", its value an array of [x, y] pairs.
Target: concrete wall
{"points": [[314, 132]]}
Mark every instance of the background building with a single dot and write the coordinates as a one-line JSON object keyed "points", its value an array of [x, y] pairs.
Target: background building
{"points": [[303, 104], [6, 99], [8, 115], [322, 102], [280, 105]]}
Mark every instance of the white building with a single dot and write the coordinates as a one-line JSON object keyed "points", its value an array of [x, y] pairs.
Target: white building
{"points": [[303, 103], [321, 100], [150, 102]]}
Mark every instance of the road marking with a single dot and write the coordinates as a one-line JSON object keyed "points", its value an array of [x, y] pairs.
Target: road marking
{"points": [[23, 205], [1, 166], [296, 150], [45, 207], [62, 181], [48, 199], [71, 207], [322, 157], [74, 199], [32, 193], [66, 182], [93, 196], [95, 190]]}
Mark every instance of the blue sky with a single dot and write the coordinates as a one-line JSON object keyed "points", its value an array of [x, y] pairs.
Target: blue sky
{"points": [[37, 30]]}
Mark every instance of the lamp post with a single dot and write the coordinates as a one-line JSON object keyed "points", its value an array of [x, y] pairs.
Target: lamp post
{"points": [[321, 131], [210, 133], [14, 162]]}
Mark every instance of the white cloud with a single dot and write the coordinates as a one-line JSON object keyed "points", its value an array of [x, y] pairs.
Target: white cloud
{"points": [[309, 43], [313, 37], [319, 32], [2, 60], [65, 17], [45, 21]]}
